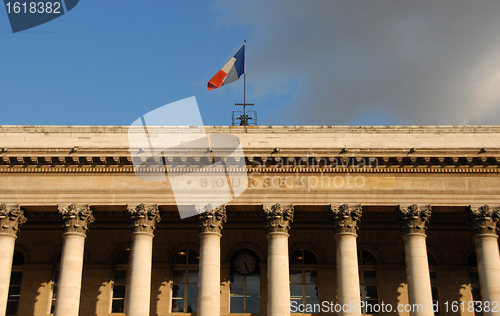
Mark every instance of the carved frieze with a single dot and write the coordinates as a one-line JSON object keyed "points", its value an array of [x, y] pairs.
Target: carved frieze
{"points": [[11, 217], [211, 218], [277, 217], [345, 218], [413, 218], [483, 219], [76, 218], [143, 217]]}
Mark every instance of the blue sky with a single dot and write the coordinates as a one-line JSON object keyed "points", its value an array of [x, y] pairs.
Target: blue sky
{"points": [[108, 62], [320, 63]]}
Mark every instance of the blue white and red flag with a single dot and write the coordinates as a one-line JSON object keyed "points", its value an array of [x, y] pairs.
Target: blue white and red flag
{"points": [[231, 72]]}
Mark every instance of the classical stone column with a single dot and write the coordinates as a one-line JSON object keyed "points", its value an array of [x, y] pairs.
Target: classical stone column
{"points": [[76, 219], [210, 220], [412, 220], [483, 221], [143, 219], [345, 219], [277, 219], [11, 217]]}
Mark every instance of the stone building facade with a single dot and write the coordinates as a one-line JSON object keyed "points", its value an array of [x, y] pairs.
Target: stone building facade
{"points": [[393, 217]]}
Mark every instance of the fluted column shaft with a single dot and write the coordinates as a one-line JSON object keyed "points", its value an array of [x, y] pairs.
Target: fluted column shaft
{"points": [[210, 220], [484, 225], [412, 220], [143, 219], [76, 219], [277, 219], [344, 219], [11, 217]]}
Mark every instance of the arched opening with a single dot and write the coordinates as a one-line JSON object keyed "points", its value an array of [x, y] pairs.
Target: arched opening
{"points": [[185, 281], [368, 281], [245, 282], [303, 281]]}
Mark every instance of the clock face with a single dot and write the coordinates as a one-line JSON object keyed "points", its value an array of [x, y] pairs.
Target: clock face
{"points": [[245, 263]]}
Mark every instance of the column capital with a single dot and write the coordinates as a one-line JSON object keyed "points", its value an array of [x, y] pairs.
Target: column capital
{"points": [[210, 218], [483, 219], [11, 217], [76, 218], [143, 217], [413, 218], [277, 217], [345, 218]]}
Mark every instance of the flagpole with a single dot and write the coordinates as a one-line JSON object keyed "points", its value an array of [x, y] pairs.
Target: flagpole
{"points": [[245, 79]]}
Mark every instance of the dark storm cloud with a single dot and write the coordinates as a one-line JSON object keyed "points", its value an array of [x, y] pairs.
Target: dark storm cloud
{"points": [[375, 62]]}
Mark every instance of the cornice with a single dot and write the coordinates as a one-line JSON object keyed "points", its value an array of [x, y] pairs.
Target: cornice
{"points": [[257, 160], [253, 152], [255, 129], [263, 170]]}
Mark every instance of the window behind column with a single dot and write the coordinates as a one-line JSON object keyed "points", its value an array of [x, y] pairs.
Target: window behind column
{"points": [[119, 283], [434, 282], [55, 281], [304, 280], [16, 278], [245, 282], [474, 283], [368, 281], [185, 281]]}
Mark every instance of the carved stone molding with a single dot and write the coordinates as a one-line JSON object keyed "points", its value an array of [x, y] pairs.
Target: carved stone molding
{"points": [[413, 218], [210, 218], [76, 218], [345, 218], [277, 217], [143, 217], [483, 219], [11, 217], [380, 160]]}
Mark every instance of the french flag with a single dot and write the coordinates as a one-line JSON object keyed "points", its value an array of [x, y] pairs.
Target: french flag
{"points": [[232, 71]]}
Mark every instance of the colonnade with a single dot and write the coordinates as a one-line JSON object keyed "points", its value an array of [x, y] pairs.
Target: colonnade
{"points": [[277, 219]]}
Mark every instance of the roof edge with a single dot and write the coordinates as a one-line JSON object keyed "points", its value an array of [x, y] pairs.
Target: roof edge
{"points": [[258, 129]]}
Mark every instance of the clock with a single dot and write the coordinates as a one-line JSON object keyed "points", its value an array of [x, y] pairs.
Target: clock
{"points": [[245, 263]]}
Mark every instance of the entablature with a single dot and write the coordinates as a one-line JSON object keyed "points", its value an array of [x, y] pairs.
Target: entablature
{"points": [[261, 160]]}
